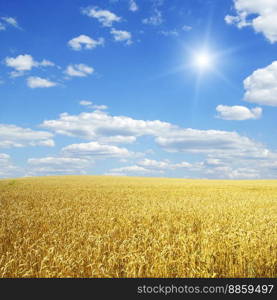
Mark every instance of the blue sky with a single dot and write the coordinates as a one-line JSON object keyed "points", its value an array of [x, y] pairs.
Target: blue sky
{"points": [[175, 88]]}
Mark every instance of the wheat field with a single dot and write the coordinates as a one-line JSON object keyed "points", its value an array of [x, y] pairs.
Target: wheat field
{"points": [[93, 226]]}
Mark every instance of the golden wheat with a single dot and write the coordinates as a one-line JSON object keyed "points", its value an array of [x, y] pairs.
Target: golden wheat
{"points": [[88, 226]]}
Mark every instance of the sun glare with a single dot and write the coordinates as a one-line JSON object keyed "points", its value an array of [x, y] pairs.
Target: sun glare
{"points": [[203, 60]]}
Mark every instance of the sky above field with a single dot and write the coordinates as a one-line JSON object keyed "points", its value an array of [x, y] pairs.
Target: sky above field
{"points": [[173, 88]]}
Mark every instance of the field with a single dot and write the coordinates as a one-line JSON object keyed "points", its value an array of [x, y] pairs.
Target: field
{"points": [[89, 226]]}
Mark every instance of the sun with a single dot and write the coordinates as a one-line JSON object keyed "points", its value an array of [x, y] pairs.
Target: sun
{"points": [[203, 60]]}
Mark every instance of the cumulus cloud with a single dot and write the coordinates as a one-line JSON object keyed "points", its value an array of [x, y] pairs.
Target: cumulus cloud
{"points": [[129, 170], [154, 164], [162, 165], [261, 87], [14, 136], [229, 172], [20, 64], [210, 168], [122, 36], [57, 165], [238, 157], [95, 150], [105, 17], [99, 124], [220, 147], [133, 6], [78, 70], [156, 19], [238, 113], [223, 154], [223, 143], [156, 167], [23, 63], [239, 168], [34, 82], [117, 139], [150, 166], [259, 14], [85, 42]]}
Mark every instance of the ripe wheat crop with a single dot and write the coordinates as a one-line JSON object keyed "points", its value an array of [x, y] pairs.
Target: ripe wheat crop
{"points": [[88, 226]]}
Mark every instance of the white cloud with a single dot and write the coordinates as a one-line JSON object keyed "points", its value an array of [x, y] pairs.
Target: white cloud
{"points": [[133, 6], [117, 139], [260, 14], [46, 63], [8, 21], [229, 172], [105, 17], [238, 113], [239, 168], [85, 103], [95, 150], [223, 143], [156, 19], [14, 136], [213, 168], [14, 74], [223, 154], [23, 63], [187, 28], [85, 42], [148, 166], [243, 173], [99, 107], [215, 162], [162, 165], [57, 165], [240, 21], [7, 168], [173, 32], [89, 104], [128, 170], [3, 157], [261, 86], [99, 124], [122, 36], [11, 21], [226, 154], [2, 27], [154, 164], [38, 82], [79, 70]]}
